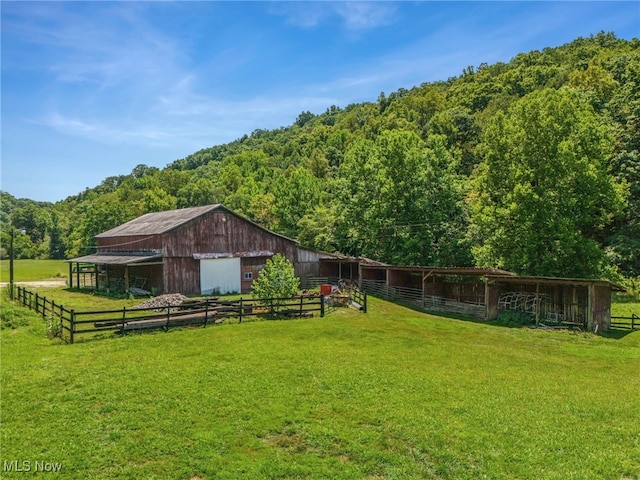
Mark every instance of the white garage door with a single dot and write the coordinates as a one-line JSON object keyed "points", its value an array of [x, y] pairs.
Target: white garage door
{"points": [[219, 276]]}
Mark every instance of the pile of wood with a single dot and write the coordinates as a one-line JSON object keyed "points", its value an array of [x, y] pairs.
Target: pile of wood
{"points": [[164, 301]]}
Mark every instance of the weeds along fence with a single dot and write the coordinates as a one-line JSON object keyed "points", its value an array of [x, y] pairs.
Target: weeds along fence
{"points": [[630, 323], [68, 324]]}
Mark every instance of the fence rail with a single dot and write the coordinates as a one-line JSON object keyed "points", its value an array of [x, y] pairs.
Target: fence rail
{"points": [[430, 303], [631, 322], [70, 323]]}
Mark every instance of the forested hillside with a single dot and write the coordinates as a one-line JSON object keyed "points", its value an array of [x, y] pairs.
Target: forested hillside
{"points": [[532, 166]]}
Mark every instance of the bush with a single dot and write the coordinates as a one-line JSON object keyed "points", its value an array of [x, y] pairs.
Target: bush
{"points": [[276, 280]]}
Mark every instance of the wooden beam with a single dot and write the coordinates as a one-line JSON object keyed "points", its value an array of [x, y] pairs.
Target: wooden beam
{"points": [[537, 303], [426, 276]]}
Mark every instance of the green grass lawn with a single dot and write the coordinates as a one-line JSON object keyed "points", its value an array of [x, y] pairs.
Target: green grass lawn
{"points": [[31, 270], [392, 394]]}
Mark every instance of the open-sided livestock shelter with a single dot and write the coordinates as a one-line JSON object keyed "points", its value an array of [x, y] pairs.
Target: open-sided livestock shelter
{"points": [[437, 289], [575, 301], [199, 250], [483, 293]]}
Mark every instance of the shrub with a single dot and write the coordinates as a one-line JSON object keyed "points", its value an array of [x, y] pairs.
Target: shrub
{"points": [[276, 280]]}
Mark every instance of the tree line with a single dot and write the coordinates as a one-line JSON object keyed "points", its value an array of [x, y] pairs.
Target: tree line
{"points": [[531, 166]]}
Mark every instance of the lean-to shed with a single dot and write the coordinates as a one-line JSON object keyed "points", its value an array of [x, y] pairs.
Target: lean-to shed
{"points": [[578, 301], [199, 250], [484, 293]]}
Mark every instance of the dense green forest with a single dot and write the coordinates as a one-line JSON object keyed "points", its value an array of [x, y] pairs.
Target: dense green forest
{"points": [[532, 166]]}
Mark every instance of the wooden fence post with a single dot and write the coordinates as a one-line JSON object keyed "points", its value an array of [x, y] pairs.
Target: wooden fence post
{"points": [[240, 310], [206, 312], [72, 325], [61, 318], [300, 306], [124, 317], [365, 303], [321, 305]]}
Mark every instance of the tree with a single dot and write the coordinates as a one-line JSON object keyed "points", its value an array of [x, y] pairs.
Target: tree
{"points": [[401, 201], [297, 192], [543, 194], [276, 280], [156, 199]]}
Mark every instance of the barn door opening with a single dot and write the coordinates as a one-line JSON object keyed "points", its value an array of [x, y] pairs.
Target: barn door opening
{"points": [[219, 276]]}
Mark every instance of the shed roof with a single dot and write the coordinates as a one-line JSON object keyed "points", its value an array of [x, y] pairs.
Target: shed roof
{"points": [[442, 270], [556, 281], [116, 259], [156, 223]]}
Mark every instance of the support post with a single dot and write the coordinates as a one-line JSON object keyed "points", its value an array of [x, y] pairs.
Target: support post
{"points": [[537, 303], [126, 278], [70, 274], [11, 254], [590, 301], [321, 305]]}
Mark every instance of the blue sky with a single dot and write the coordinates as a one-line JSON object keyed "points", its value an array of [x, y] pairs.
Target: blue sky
{"points": [[92, 89]]}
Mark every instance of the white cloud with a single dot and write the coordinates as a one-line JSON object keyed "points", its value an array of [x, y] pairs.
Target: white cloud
{"points": [[356, 16], [365, 16]]}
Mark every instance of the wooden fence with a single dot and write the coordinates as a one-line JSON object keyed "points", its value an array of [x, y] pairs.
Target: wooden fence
{"points": [[70, 323], [631, 322]]}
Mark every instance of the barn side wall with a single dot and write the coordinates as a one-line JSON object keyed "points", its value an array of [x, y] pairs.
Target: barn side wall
{"points": [[181, 275], [130, 243], [221, 231], [601, 305]]}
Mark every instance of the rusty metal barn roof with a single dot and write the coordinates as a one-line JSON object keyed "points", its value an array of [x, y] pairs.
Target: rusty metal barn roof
{"points": [[157, 223]]}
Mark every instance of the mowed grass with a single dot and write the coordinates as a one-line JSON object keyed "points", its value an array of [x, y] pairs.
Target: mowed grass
{"points": [[391, 394], [32, 270]]}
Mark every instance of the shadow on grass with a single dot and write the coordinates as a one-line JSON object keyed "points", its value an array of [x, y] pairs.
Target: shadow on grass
{"points": [[613, 333]]}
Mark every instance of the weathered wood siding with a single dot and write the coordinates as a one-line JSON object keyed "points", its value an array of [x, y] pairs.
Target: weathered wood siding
{"points": [[224, 232], [181, 275], [601, 303], [306, 263], [251, 265], [133, 243]]}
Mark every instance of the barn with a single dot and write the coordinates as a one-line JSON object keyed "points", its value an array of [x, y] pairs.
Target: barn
{"points": [[200, 250]]}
